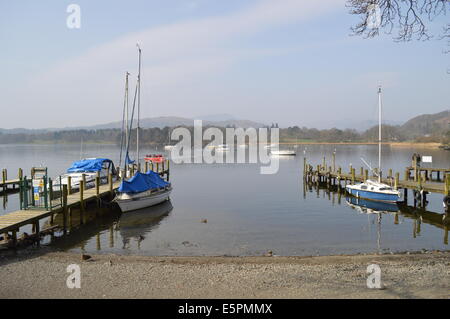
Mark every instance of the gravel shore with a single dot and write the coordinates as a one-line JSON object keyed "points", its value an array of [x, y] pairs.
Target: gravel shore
{"points": [[424, 275]]}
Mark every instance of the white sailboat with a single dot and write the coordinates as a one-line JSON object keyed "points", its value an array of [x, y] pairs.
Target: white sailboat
{"points": [[143, 189], [375, 190]]}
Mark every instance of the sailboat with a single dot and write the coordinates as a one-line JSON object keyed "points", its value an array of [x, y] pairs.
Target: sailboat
{"points": [[376, 190], [143, 189]]}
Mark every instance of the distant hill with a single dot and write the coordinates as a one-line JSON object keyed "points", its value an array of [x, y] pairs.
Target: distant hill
{"points": [[427, 124], [159, 122]]}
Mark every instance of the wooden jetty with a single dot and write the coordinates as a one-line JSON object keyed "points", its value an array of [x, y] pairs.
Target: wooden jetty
{"points": [[419, 184], [6, 184], [10, 223]]}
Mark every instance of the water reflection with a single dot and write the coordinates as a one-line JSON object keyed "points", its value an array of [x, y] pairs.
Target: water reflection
{"points": [[102, 226], [419, 215], [135, 225]]}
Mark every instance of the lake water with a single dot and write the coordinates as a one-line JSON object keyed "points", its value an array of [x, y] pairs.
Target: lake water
{"points": [[247, 213]]}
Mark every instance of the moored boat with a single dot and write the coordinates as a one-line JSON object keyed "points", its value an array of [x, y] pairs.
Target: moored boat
{"points": [[142, 190], [375, 190], [283, 152], [89, 167], [154, 158]]}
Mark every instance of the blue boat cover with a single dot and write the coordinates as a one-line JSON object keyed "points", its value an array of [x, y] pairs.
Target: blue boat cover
{"points": [[88, 165], [128, 160], [142, 182]]}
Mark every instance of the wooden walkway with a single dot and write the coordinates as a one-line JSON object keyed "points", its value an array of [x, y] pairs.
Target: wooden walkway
{"points": [[14, 220], [419, 183]]}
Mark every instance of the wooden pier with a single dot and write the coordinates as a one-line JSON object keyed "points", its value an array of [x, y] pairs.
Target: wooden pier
{"points": [[65, 202], [420, 183], [6, 184]]}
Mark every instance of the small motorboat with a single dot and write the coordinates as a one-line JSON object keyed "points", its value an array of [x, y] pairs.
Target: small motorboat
{"points": [[283, 152], [222, 148], [90, 167], [142, 190], [154, 158]]}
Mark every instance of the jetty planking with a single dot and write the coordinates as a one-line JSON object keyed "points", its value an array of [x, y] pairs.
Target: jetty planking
{"points": [[11, 222]]}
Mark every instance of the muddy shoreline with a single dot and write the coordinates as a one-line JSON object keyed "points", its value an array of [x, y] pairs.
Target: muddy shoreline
{"points": [[44, 275]]}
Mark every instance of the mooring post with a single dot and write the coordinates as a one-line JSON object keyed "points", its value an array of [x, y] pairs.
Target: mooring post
{"points": [[304, 166], [334, 161], [4, 177], [353, 176], [50, 185], [447, 184], [81, 201], [415, 167], [397, 180], [324, 165], [168, 170], [366, 174], [97, 190], [419, 181], [83, 178], [110, 182], [351, 168], [64, 203], [407, 174], [20, 174], [69, 185], [146, 167]]}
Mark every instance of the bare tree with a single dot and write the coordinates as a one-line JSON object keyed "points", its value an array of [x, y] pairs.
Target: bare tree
{"points": [[409, 16]]}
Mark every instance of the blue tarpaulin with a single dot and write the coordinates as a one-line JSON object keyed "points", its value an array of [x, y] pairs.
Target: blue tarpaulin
{"points": [[142, 182], [88, 165], [128, 160]]}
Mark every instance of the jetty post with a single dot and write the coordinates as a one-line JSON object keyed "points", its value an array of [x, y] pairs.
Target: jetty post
{"points": [[64, 204], [69, 185], [81, 200], [4, 178]]}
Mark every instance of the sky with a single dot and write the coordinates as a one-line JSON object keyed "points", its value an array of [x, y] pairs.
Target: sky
{"points": [[293, 62]]}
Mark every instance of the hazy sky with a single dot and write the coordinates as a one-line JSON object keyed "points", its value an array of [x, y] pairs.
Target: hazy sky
{"points": [[286, 61]]}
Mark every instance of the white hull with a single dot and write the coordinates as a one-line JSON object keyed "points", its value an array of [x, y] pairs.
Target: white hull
{"points": [[283, 153], [129, 202]]}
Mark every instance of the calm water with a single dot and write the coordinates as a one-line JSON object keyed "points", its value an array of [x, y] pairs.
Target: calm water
{"points": [[247, 213]]}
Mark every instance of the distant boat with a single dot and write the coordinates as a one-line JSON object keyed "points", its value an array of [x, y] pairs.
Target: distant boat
{"points": [[154, 158], [283, 153], [168, 147], [375, 190], [222, 148], [90, 168], [267, 147]]}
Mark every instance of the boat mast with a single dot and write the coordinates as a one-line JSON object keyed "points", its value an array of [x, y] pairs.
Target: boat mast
{"points": [[379, 133], [125, 104], [139, 106]]}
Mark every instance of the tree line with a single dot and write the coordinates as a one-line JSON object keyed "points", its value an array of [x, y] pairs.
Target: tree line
{"points": [[160, 136]]}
